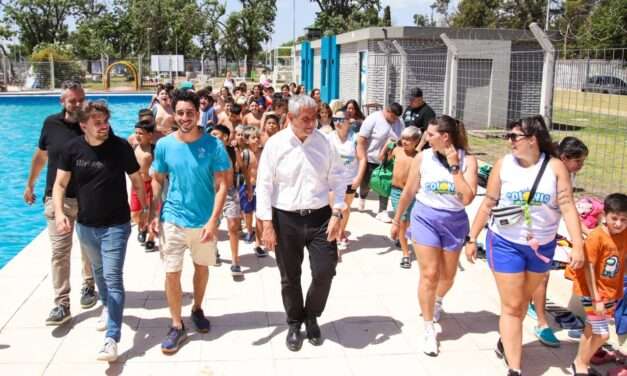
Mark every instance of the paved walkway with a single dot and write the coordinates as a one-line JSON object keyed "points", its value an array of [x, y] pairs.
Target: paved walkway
{"points": [[371, 324]]}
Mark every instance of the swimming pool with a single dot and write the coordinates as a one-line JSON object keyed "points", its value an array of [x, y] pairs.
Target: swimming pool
{"points": [[20, 124]]}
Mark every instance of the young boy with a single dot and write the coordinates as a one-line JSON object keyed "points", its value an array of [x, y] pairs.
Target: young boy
{"points": [[231, 209], [270, 127], [403, 156], [143, 149], [600, 282], [250, 158]]}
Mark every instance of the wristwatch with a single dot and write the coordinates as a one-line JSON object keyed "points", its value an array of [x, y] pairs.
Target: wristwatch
{"points": [[337, 214], [454, 169]]}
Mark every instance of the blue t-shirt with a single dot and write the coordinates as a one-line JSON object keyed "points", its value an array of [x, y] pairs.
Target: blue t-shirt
{"points": [[190, 168]]}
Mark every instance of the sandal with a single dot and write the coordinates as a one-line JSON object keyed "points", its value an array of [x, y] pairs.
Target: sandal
{"points": [[575, 373]]}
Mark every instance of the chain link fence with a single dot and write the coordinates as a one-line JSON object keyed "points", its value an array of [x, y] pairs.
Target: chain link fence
{"points": [[590, 103], [489, 87]]}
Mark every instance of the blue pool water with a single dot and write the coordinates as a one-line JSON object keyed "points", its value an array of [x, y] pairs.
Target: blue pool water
{"points": [[21, 119]]}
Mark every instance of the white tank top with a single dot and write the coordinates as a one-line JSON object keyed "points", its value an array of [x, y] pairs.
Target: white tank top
{"points": [[437, 189], [516, 183], [348, 154]]}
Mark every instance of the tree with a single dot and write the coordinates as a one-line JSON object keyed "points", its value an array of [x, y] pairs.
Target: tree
{"points": [[42, 21], [573, 15], [518, 14], [472, 13], [246, 30], [606, 27], [213, 30], [441, 7], [387, 17], [421, 20], [339, 16]]}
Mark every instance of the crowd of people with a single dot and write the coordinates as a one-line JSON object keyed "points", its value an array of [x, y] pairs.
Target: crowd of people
{"points": [[282, 169]]}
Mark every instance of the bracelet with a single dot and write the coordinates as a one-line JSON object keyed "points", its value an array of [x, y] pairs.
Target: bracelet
{"points": [[395, 222]]}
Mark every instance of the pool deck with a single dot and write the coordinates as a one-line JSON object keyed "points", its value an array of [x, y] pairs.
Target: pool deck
{"points": [[371, 323]]}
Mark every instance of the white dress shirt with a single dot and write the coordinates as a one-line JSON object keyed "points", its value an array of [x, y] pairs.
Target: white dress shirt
{"points": [[295, 175]]}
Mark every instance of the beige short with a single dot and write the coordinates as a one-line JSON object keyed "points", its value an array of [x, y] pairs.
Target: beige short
{"points": [[176, 239]]}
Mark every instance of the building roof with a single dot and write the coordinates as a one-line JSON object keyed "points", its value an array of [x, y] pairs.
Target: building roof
{"points": [[430, 33]]}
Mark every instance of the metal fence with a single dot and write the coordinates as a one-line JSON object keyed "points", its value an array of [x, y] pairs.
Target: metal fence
{"points": [[590, 103], [25, 75]]}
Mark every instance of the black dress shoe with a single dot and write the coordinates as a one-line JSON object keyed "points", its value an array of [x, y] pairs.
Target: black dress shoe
{"points": [[313, 332], [294, 341]]}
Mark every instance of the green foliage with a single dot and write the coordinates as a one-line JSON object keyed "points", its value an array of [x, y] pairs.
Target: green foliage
{"points": [[339, 16], [42, 21], [421, 20], [65, 68], [573, 16], [606, 26], [387, 17], [44, 51], [246, 30], [213, 29], [472, 13], [518, 14]]}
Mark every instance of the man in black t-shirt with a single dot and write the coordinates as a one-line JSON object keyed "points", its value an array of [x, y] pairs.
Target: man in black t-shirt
{"points": [[418, 113], [97, 163], [58, 129]]}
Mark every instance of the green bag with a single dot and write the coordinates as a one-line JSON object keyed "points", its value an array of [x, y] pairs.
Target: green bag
{"points": [[381, 179]]}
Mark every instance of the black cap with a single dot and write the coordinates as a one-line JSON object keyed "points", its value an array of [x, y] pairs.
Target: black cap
{"points": [[415, 92]]}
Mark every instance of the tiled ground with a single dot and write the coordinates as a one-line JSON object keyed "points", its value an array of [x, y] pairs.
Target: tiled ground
{"points": [[371, 324]]}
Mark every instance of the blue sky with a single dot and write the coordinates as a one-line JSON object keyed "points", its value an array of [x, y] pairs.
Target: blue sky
{"points": [[402, 15]]}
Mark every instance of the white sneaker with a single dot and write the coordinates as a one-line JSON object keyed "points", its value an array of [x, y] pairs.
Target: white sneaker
{"points": [[437, 311], [362, 204], [101, 324], [109, 351], [430, 344], [384, 217]]}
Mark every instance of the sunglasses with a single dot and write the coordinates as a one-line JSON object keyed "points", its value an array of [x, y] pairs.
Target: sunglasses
{"points": [[514, 136]]}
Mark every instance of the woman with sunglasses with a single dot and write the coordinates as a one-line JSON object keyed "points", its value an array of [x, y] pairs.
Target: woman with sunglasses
{"points": [[354, 163], [522, 230], [443, 180]]}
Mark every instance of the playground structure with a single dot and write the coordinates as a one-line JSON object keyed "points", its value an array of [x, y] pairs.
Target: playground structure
{"points": [[106, 77]]}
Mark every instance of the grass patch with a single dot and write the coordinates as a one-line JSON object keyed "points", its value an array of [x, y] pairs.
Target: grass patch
{"points": [[605, 170]]}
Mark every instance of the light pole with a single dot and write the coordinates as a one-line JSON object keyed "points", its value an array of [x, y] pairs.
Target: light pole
{"points": [[548, 13]]}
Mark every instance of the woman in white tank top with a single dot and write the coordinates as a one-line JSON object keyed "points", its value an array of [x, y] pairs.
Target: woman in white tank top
{"points": [[445, 178], [521, 245]]}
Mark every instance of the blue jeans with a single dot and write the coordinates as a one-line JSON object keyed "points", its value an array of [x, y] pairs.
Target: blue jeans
{"points": [[106, 248]]}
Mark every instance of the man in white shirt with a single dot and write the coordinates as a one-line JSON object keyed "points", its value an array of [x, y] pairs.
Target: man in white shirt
{"points": [[298, 168], [377, 130]]}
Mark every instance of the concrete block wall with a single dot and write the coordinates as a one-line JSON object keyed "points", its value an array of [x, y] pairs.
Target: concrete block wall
{"points": [[349, 71], [427, 70]]}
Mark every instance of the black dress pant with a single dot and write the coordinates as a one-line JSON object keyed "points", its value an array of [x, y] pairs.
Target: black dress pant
{"points": [[295, 232]]}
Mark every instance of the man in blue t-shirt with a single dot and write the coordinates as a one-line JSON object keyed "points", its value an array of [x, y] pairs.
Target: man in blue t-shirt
{"points": [[196, 165]]}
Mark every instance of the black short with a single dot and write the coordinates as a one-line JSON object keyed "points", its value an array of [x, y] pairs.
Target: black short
{"points": [[350, 190]]}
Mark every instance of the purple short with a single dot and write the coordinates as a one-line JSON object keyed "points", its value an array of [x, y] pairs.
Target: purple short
{"points": [[438, 228]]}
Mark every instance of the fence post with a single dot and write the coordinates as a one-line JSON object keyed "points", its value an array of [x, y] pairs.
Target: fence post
{"points": [[139, 72], [548, 73], [4, 70], [51, 60], [449, 106], [404, 63]]}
